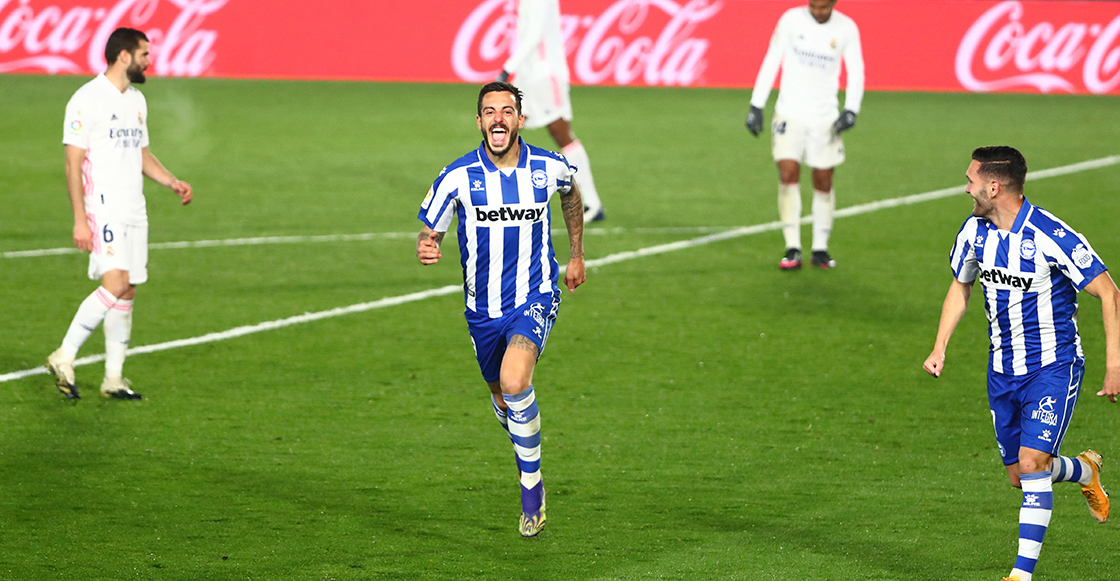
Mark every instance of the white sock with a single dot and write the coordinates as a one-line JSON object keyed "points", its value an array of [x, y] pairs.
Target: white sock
{"points": [[824, 206], [90, 314], [118, 332], [577, 156], [789, 211]]}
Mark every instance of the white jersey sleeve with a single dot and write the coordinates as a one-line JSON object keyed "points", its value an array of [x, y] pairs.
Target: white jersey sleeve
{"points": [[768, 72], [78, 124], [963, 259], [539, 49], [853, 62]]}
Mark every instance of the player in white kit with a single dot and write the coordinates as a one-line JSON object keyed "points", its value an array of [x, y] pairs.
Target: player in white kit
{"points": [[107, 157], [539, 65], [808, 45]]}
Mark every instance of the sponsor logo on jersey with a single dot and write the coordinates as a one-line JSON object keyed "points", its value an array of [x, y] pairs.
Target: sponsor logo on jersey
{"points": [[75, 125], [1045, 412], [1000, 276], [428, 199], [506, 214], [1082, 257], [979, 240], [476, 186], [1027, 249], [1060, 232], [1045, 437], [113, 118], [127, 137], [540, 178]]}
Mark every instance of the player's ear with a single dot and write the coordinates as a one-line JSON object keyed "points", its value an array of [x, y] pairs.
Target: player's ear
{"points": [[520, 121], [478, 121]]}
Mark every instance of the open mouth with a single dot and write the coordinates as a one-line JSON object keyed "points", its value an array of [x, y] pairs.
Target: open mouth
{"points": [[499, 136]]}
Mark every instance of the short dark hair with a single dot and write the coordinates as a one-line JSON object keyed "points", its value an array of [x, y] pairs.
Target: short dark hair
{"points": [[499, 87], [1003, 164], [122, 39]]}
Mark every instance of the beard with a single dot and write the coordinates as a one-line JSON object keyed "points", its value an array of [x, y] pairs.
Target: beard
{"points": [[136, 75]]}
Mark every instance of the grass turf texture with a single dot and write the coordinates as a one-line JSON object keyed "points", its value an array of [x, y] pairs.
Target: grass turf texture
{"points": [[706, 416]]}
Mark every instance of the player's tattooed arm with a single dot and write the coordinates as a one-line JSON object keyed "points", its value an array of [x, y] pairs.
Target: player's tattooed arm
{"points": [[523, 343], [572, 205], [427, 245]]}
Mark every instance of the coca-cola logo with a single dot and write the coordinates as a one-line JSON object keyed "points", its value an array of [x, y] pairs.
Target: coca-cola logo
{"points": [[1001, 52], [52, 38], [650, 40]]}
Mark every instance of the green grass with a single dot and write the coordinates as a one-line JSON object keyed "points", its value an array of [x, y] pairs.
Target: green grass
{"points": [[705, 415]]}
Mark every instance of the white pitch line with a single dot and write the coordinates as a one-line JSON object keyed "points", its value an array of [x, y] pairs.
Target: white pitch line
{"points": [[260, 240], [597, 262]]}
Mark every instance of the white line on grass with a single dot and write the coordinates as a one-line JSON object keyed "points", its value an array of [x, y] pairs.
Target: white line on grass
{"points": [[609, 259], [260, 240]]}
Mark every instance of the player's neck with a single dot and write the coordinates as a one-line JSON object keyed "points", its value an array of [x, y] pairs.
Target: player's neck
{"points": [[119, 77], [1006, 214], [507, 160]]}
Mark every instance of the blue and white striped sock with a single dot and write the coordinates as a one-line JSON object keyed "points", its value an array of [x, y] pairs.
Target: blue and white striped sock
{"points": [[503, 417], [1068, 469], [525, 431], [1034, 517]]}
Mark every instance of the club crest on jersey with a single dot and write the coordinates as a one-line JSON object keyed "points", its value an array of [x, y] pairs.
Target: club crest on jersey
{"points": [[1082, 257], [536, 312], [1045, 412], [540, 178], [1027, 249]]}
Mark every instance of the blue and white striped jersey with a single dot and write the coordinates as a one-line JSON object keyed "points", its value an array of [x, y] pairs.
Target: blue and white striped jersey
{"points": [[504, 224], [1031, 276]]}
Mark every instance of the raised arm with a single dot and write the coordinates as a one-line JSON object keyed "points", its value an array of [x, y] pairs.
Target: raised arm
{"points": [[956, 302], [572, 205], [1105, 289]]}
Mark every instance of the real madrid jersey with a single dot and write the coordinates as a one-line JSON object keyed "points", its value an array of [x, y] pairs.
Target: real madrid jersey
{"points": [[539, 50], [112, 127], [504, 224], [1031, 276], [809, 55]]}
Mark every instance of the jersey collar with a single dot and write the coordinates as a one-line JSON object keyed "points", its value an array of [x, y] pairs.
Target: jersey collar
{"points": [[522, 158], [1021, 218]]}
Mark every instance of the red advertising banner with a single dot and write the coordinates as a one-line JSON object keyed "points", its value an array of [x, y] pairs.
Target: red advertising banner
{"points": [[949, 45]]}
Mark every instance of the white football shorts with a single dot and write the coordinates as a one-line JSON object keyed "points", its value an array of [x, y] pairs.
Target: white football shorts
{"points": [[813, 143], [544, 100], [119, 246]]}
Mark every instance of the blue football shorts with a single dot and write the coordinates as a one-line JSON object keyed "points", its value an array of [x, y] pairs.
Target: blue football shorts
{"points": [[533, 319], [1033, 410]]}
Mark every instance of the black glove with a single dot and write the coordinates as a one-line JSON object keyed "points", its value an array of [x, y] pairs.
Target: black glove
{"points": [[846, 121], [502, 77], [754, 121]]}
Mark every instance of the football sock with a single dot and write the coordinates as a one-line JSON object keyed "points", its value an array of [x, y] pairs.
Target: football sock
{"points": [[118, 332], [577, 155], [525, 431], [503, 417], [90, 314], [1034, 517], [1068, 469], [824, 206], [789, 211]]}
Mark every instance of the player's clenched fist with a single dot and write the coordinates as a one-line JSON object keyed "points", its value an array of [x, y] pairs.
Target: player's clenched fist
{"points": [[427, 248], [934, 364]]}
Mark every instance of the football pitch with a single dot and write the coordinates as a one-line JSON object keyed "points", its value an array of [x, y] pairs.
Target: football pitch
{"points": [[704, 415]]}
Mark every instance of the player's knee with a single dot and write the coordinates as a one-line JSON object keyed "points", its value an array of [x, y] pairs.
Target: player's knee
{"points": [[514, 385]]}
